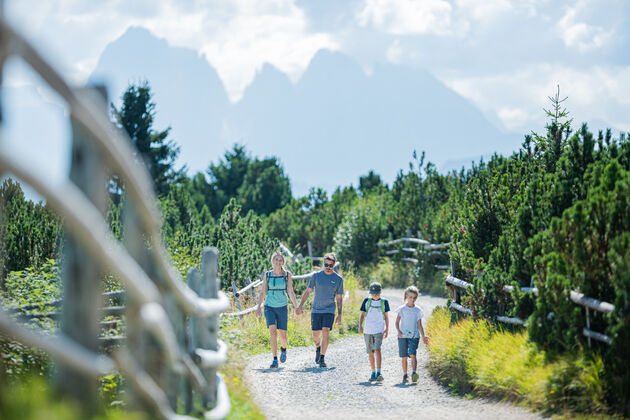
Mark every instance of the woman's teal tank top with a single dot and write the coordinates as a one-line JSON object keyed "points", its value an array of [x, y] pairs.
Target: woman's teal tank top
{"points": [[276, 291]]}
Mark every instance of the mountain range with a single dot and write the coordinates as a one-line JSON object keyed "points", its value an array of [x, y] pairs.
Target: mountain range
{"points": [[334, 124]]}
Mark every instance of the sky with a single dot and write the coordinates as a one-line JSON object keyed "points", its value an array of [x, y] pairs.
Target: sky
{"points": [[505, 56]]}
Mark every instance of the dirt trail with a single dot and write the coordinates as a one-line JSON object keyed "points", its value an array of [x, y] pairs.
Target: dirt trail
{"points": [[301, 390]]}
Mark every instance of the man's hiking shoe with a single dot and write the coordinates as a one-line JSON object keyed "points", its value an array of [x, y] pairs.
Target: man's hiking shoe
{"points": [[322, 363], [317, 354], [283, 356], [373, 377], [405, 379], [274, 365], [414, 377], [379, 378]]}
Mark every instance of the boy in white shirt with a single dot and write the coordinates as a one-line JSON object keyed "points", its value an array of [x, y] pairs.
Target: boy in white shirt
{"points": [[409, 326], [374, 311]]}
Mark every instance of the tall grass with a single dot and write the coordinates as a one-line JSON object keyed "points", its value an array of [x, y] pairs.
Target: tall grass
{"points": [[471, 356]]}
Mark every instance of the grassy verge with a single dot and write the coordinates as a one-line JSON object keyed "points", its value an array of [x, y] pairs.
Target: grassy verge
{"points": [[472, 358]]}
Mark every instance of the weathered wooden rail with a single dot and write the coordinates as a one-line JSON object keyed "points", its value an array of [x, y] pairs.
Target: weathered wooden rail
{"points": [[422, 244], [171, 353], [460, 287]]}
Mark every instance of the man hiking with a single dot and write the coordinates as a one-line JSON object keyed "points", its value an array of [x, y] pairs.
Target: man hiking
{"points": [[328, 287]]}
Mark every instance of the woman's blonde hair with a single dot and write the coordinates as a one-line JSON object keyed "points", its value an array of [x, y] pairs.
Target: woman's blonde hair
{"points": [[411, 289], [283, 259]]}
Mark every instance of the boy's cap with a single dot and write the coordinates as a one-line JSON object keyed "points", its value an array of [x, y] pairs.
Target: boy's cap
{"points": [[375, 288]]}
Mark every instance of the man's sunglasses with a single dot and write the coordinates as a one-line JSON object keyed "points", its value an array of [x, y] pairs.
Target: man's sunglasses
{"points": [[329, 265]]}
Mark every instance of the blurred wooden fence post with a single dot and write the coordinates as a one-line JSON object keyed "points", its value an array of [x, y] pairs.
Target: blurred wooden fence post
{"points": [[236, 295], [81, 275], [207, 334]]}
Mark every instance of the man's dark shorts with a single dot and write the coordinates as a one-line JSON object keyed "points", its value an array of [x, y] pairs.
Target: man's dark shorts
{"points": [[319, 321], [408, 346], [278, 316]]}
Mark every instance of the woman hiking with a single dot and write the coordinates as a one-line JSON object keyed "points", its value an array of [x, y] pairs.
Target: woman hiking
{"points": [[277, 289]]}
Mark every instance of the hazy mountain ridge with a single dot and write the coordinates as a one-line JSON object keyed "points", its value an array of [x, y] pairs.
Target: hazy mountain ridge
{"points": [[334, 124]]}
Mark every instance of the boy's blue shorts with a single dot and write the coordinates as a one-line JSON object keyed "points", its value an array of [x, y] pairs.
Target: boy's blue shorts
{"points": [[319, 321], [278, 316], [408, 346]]}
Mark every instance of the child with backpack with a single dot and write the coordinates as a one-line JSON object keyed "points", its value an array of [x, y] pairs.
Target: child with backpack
{"points": [[276, 291], [374, 310], [409, 326]]}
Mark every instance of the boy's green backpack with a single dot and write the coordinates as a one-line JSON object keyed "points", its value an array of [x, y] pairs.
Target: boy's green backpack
{"points": [[369, 303]]}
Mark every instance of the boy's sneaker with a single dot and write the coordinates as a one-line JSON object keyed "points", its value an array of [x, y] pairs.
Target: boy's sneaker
{"points": [[274, 364], [379, 378], [405, 378], [317, 354], [283, 356], [373, 377], [415, 377]]}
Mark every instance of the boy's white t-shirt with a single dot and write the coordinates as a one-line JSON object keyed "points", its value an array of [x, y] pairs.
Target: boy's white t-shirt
{"points": [[409, 317], [374, 319]]}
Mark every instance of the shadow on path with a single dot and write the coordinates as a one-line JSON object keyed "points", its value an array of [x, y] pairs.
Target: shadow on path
{"points": [[314, 370], [269, 370]]}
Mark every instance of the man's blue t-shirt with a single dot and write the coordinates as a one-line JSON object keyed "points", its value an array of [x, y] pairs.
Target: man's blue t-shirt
{"points": [[326, 288]]}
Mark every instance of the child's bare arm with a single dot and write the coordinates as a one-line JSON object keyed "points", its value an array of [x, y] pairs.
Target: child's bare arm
{"points": [[386, 315], [398, 326], [361, 319], [425, 339]]}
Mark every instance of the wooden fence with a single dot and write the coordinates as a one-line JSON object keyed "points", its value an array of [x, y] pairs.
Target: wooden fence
{"points": [[459, 288], [171, 354], [408, 243]]}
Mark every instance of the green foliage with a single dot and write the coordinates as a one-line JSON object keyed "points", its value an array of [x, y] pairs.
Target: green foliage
{"points": [[33, 399], [471, 356], [30, 232], [312, 218], [244, 246], [135, 117], [258, 185], [265, 187], [357, 237]]}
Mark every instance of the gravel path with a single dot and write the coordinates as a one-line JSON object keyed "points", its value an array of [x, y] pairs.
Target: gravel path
{"points": [[301, 390]]}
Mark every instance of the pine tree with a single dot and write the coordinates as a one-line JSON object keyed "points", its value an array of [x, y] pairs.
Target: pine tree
{"points": [[136, 116]]}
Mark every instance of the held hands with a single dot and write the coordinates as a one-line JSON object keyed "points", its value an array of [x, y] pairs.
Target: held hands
{"points": [[299, 310]]}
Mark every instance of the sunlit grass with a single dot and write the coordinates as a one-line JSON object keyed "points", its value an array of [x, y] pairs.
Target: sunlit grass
{"points": [[471, 357]]}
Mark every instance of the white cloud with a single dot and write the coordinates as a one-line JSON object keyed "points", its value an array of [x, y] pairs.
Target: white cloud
{"points": [[407, 17], [237, 37], [579, 34], [484, 10], [516, 99]]}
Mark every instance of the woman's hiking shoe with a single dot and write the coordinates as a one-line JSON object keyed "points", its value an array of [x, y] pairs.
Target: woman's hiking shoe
{"points": [[317, 354], [379, 378], [283, 356], [373, 377], [415, 377], [322, 363], [405, 379], [274, 364]]}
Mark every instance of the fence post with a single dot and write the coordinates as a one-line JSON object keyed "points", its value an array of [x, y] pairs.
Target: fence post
{"points": [[81, 275], [252, 290], [455, 290], [236, 300], [309, 244], [207, 332]]}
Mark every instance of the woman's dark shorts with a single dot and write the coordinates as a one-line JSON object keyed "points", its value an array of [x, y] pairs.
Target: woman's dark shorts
{"points": [[319, 321], [277, 316], [407, 346]]}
